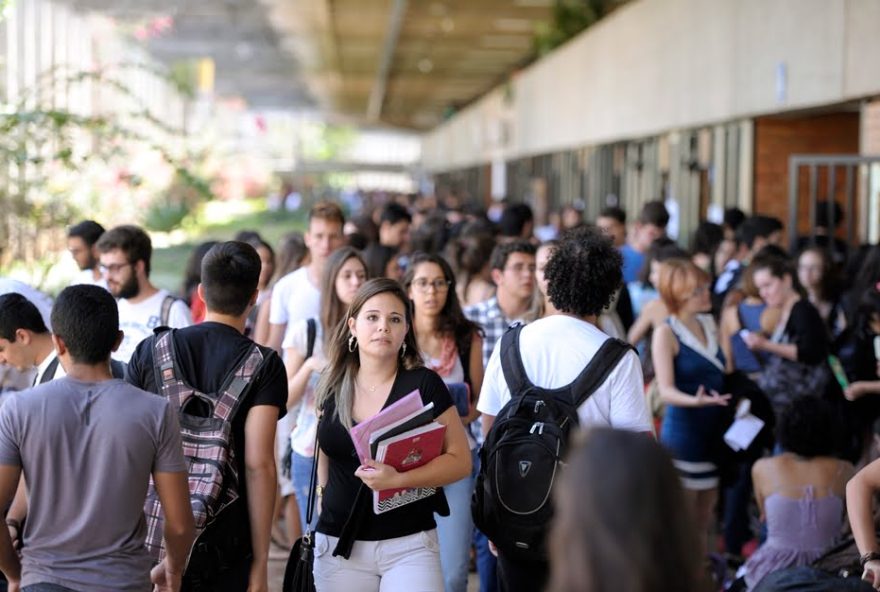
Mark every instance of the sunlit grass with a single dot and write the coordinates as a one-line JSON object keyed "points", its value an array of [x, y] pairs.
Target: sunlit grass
{"points": [[218, 220]]}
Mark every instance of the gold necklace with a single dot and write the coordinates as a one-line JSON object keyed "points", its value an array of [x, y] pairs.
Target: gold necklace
{"points": [[372, 389]]}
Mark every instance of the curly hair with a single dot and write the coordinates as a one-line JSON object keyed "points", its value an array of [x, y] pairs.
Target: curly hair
{"points": [[583, 273]]}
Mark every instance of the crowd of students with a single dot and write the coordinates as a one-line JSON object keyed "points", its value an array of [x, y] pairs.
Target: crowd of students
{"points": [[289, 347]]}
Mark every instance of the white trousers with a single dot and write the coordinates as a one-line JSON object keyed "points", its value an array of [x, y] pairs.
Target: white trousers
{"points": [[405, 564]]}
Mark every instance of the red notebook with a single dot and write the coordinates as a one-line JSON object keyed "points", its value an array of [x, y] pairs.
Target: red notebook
{"points": [[405, 452]]}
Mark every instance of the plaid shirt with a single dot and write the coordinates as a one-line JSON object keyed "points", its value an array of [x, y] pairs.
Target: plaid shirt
{"points": [[489, 316]]}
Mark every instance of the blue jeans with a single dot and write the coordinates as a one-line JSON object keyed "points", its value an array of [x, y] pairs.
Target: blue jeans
{"points": [[487, 564], [301, 475], [46, 588], [455, 532]]}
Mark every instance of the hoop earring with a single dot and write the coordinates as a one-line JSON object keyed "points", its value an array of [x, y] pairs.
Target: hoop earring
{"points": [[403, 351], [352, 344]]}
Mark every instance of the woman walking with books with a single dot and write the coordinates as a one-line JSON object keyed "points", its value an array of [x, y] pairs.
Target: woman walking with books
{"points": [[373, 364], [452, 346]]}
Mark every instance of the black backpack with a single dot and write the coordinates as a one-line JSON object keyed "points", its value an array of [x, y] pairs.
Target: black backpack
{"points": [[525, 448]]}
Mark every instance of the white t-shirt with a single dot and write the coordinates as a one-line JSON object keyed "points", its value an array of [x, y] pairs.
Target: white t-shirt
{"points": [[554, 351], [302, 440], [137, 321], [87, 277], [294, 298]]}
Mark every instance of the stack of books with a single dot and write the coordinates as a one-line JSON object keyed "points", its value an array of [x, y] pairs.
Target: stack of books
{"points": [[404, 436]]}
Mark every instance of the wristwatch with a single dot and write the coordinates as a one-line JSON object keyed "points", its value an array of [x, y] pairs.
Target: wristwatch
{"points": [[319, 491], [872, 556]]}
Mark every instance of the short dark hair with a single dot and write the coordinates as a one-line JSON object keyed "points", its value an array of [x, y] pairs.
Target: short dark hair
{"points": [[707, 237], [821, 215], [502, 252], [17, 312], [87, 320], [614, 212], [514, 219], [756, 227], [377, 257], [393, 213], [88, 230], [248, 236], [131, 240], [662, 249], [778, 267], [654, 213], [230, 273], [808, 427], [432, 235], [583, 272], [733, 218]]}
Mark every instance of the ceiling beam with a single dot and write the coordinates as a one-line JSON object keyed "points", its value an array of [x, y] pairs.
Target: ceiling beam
{"points": [[377, 95]]}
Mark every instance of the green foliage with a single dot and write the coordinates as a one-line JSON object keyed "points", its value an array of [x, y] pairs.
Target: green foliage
{"points": [[570, 17], [179, 201], [184, 76], [167, 269], [165, 217], [322, 142], [49, 152]]}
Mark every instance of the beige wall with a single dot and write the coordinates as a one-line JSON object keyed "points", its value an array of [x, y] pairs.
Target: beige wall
{"points": [[659, 65]]}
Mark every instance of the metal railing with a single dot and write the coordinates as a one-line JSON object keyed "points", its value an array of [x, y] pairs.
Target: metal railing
{"points": [[861, 181]]}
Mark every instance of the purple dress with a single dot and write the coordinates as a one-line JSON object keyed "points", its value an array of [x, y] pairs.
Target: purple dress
{"points": [[799, 531]]}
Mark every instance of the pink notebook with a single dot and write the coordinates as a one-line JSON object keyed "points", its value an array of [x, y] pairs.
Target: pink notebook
{"points": [[360, 433]]}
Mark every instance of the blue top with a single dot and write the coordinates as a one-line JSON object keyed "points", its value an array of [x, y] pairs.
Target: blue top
{"points": [[750, 318], [690, 432], [632, 263]]}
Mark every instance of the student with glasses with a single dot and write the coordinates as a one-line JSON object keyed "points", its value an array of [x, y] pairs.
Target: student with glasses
{"points": [[451, 345], [125, 253], [512, 268]]}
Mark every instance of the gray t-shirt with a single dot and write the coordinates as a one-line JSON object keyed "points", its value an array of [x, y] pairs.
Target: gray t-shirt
{"points": [[87, 451]]}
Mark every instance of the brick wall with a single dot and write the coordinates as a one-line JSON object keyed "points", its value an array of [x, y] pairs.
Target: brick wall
{"points": [[776, 138]]}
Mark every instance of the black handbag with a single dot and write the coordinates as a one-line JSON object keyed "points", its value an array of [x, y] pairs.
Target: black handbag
{"points": [[298, 574]]}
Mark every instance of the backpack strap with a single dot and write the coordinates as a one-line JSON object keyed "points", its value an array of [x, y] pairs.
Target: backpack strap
{"points": [[464, 354], [511, 361], [597, 371], [168, 376], [238, 382], [165, 313], [50, 371], [118, 369], [311, 334]]}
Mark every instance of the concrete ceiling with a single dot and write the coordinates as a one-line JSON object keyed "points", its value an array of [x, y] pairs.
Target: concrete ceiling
{"points": [[403, 63]]}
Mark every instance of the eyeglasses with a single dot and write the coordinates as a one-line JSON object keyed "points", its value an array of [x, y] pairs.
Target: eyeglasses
{"points": [[113, 267], [423, 285]]}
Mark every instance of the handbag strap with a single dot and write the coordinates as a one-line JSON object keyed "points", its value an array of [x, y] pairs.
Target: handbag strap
{"points": [[313, 480]]}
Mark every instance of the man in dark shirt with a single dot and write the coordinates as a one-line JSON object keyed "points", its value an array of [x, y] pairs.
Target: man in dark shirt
{"points": [[206, 353]]}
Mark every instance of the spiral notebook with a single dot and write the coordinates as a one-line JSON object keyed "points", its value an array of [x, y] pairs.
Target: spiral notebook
{"points": [[405, 452]]}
